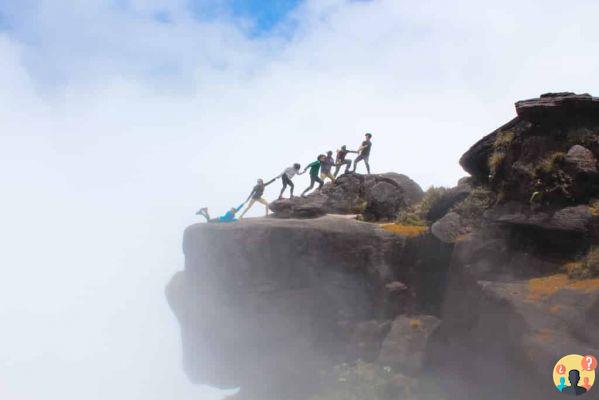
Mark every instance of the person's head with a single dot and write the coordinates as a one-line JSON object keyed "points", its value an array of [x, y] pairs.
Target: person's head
{"points": [[344, 147], [260, 182], [574, 377], [562, 380], [329, 153], [368, 136], [297, 166], [321, 157]]}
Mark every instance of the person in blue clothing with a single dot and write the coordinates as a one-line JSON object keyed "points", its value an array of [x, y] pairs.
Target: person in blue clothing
{"points": [[228, 217]]}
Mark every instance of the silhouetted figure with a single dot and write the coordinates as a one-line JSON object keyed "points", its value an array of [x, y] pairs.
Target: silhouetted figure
{"points": [[364, 153], [325, 167], [341, 160], [286, 176], [586, 383], [574, 378], [256, 196], [562, 384], [314, 168]]}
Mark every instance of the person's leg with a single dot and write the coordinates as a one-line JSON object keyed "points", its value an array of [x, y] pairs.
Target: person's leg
{"points": [[356, 161], [284, 179], [320, 182], [331, 177], [312, 180], [367, 164], [291, 187], [204, 213], [347, 165], [337, 168], [252, 201], [262, 201]]}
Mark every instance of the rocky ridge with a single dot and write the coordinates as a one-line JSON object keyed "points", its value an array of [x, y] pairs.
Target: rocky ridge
{"points": [[478, 304]]}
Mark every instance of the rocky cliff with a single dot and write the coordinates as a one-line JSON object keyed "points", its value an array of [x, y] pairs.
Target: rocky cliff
{"points": [[473, 293]]}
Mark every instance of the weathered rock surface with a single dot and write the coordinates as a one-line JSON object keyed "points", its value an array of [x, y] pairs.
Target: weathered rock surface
{"points": [[377, 197], [537, 154], [499, 320], [405, 345], [266, 304], [552, 106]]}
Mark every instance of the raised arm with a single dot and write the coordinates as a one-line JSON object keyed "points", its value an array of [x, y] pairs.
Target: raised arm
{"points": [[272, 180], [250, 196]]}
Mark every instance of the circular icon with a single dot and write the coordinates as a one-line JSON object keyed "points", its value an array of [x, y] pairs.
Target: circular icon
{"points": [[589, 363], [575, 374], [560, 369]]}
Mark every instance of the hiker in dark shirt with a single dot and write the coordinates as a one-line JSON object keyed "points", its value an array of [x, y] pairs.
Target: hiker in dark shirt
{"points": [[256, 196], [364, 153], [314, 168], [326, 166], [341, 160]]}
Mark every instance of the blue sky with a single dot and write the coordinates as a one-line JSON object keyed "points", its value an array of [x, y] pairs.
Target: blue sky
{"points": [[264, 14]]}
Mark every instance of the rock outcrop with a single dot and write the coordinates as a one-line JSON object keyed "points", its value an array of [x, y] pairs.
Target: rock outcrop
{"points": [[478, 305], [377, 197], [265, 304]]}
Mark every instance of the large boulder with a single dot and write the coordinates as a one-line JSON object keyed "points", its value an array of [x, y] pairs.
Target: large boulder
{"points": [[554, 106], [377, 197], [549, 152]]}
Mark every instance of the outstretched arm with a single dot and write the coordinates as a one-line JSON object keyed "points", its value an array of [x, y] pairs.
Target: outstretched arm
{"points": [[241, 206], [309, 166], [271, 181], [251, 194]]}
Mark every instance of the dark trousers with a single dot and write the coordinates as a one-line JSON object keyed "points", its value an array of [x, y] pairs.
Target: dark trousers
{"points": [[338, 166], [360, 158], [313, 179], [286, 182]]}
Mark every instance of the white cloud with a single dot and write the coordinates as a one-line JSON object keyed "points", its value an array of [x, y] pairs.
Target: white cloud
{"points": [[115, 127]]}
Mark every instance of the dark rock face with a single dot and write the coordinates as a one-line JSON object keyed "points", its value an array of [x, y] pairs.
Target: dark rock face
{"points": [[553, 106], [550, 149], [265, 304], [377, 197], [507, 310]]}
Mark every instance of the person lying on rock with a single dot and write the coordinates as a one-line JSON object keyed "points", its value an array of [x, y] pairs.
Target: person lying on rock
{"points": [[256, 196], [341, 160], [326, 166], [287, 176], [314, 168], [364, 153], [228, 217]]}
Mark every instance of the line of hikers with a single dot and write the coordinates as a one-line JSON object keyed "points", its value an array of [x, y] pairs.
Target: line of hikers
{"points": [[323, 163]]}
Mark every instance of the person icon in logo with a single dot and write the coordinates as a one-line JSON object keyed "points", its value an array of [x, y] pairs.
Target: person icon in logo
{"points": [[574, 389], [562, 384], [586, 384]]}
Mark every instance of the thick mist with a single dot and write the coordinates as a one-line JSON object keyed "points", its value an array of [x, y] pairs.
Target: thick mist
{"points": [[115, 126]]}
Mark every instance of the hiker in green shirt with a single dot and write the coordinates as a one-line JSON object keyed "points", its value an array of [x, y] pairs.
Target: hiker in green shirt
{"points": [[314, 168]]}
